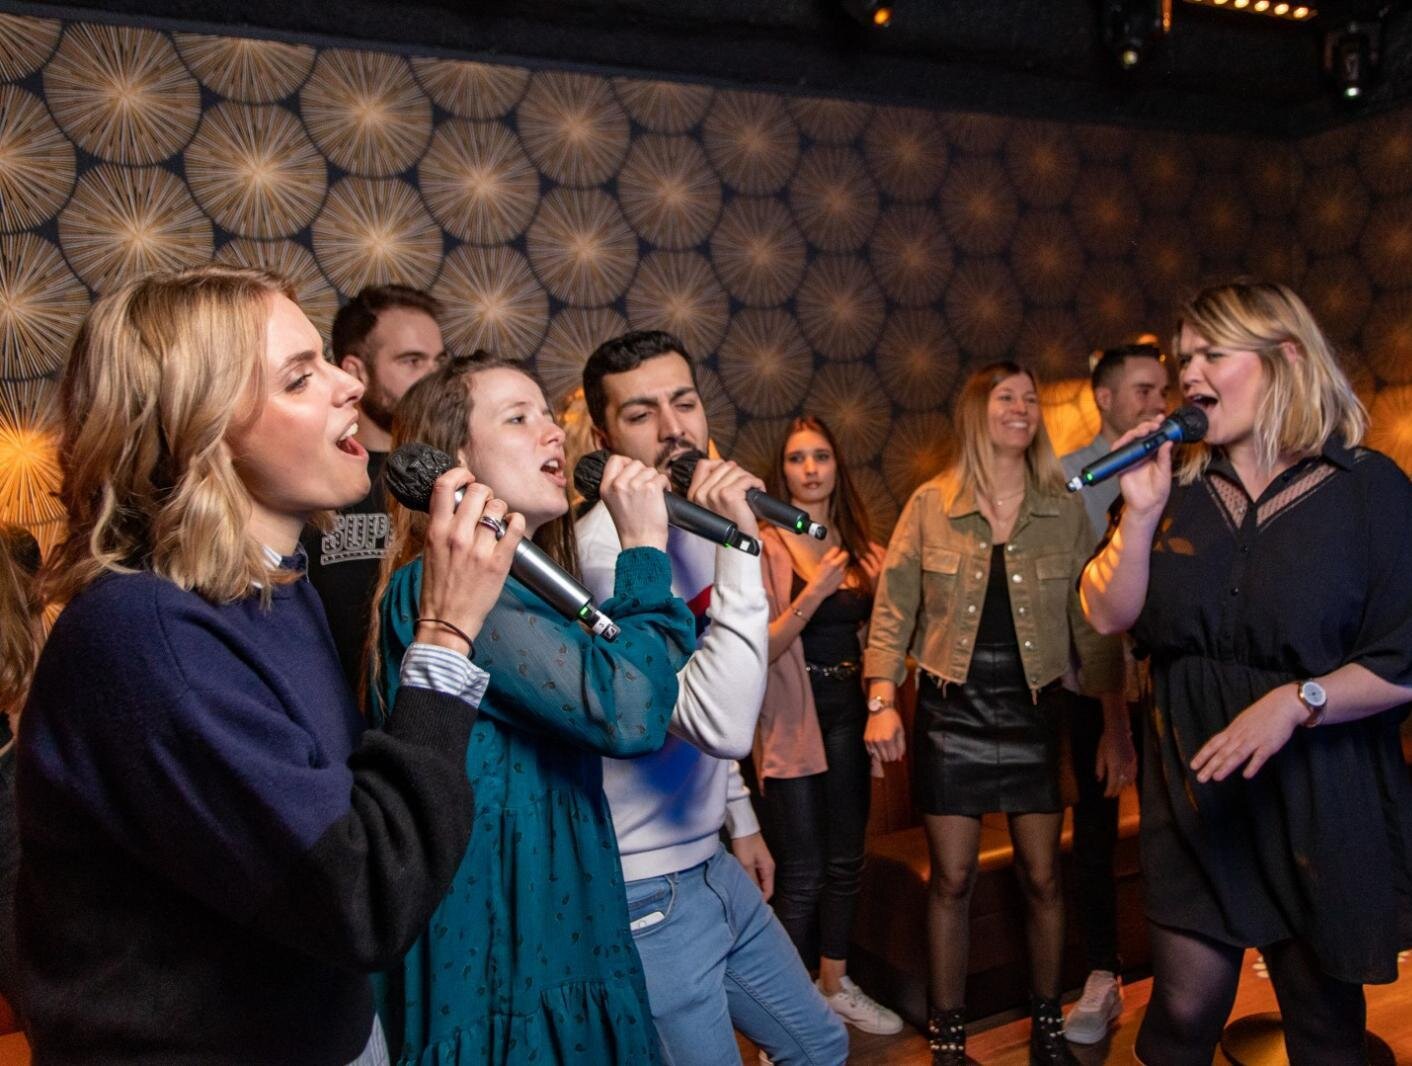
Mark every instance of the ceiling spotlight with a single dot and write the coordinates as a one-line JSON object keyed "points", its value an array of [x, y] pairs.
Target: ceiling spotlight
{"points": [[1276, 8], [1131, 27], [1351, 59], [869, 12]]}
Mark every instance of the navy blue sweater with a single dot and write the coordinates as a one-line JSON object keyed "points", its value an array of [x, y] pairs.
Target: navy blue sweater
{"points": [[214, 851]]}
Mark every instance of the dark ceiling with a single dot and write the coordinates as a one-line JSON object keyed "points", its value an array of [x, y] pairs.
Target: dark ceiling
{"points": [[1217, 71]]}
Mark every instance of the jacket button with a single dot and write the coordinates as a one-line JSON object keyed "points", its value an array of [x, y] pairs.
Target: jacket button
{"points": [[1029, 644], [979, 575], [1017, 578], [971, 609], [1022, 610], [982, 545], [1009, 547], [964, 642]]}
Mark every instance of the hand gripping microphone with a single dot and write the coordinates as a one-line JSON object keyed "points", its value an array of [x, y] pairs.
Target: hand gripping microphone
{"points": [[410, 473], [766, 507], [1185, 424], [681, 512]]}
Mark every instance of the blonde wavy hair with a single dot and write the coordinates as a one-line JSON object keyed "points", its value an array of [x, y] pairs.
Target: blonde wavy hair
{"points": [[973, 464], [21, 611], [163, 371], [1306, 400]]}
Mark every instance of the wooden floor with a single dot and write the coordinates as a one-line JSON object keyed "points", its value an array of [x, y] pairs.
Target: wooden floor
{"points": [[1005, 1042]]}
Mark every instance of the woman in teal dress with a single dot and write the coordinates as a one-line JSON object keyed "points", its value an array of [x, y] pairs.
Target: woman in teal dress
{"points": [[529, 959]]}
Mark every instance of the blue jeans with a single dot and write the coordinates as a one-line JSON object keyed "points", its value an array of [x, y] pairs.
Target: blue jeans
{"points": [[715, 957]]}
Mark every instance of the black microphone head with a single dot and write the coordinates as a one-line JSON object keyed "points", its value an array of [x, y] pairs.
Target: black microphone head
{"points": [[411, 471], [680, 470], [1192, 421], [588, 474]]}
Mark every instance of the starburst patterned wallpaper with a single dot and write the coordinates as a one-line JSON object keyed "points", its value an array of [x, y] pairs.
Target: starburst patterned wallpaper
{"points": [[829, 256]]}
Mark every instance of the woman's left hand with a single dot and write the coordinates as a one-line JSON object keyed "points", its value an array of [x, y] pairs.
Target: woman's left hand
{"points": [[1252, 738], [872, 562]]}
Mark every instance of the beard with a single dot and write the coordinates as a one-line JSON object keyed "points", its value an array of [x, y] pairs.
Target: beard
{"points": [[377, 405], [672, 447]]}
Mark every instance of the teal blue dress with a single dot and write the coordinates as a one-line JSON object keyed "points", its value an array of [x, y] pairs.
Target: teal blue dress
{"points": [[528, 959]]}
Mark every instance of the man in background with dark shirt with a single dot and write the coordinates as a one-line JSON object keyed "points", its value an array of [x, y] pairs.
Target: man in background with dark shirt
{"points": [[388, 338]]}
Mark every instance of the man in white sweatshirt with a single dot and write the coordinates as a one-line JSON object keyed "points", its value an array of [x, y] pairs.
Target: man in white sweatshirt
{"points": [[714, 955]]}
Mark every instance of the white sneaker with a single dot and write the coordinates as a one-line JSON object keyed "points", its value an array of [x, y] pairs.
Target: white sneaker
{"points": [[860, 1010], [1097, 1009]]}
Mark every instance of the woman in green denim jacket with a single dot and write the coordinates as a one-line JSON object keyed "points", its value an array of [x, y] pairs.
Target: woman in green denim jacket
{"points": [[979, 587]]}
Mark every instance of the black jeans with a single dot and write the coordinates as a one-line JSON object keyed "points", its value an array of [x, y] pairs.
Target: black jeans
{"points": [[814, 827], [1095, 836]]}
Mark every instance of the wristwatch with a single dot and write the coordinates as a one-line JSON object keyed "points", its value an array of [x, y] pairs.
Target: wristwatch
{"points": [[876, 704], [1315, 700]]}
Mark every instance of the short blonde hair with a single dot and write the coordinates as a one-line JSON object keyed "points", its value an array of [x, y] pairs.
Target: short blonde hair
{"points": [[973, 467], [1306, 400], [162, 372]]}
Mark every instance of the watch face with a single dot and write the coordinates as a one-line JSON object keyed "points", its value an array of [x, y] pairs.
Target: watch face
{"points": [[1313, 693]]}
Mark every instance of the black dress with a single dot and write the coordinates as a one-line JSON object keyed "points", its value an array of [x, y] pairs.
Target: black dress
{"points": [[1244, 597], [989, 744]]}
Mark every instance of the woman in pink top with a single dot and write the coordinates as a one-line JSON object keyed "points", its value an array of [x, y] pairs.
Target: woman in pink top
{"points": [[809, 753]]}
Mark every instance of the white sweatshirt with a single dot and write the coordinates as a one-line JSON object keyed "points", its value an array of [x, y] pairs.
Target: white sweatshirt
{"points": [[668, 807]]}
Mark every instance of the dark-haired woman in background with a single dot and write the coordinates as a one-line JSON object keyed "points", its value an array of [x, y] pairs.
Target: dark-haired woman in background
{"points": [[1271, 579], [809, 752], [978, 585], [529, 958]]}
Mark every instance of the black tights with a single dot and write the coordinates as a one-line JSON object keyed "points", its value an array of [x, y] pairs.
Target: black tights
{"points": [[954, 843], [1194, 986]]}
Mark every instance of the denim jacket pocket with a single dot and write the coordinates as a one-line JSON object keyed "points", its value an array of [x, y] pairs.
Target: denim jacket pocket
{"points": [[939, 569]]}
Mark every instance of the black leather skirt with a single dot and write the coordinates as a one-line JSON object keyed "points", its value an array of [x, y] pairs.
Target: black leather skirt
{"points": [[986, 745]]}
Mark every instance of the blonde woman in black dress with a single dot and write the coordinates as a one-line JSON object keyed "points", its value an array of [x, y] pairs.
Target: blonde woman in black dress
{"points": [[1271, 580]]}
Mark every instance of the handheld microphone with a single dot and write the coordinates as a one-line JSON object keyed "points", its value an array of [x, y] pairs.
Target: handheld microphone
{"points": [[681, 512], [1185, 424], [410, 473], [764, 506]]}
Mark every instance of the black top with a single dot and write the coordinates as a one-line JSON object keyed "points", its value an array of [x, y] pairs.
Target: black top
{"points": [[831, 634], [1245, 596], [215, 852], [343, 568], [996, 625]]}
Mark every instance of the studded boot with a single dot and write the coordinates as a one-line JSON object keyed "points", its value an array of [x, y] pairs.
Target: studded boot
{"points": [[1047, 1044], [946, 1036]]}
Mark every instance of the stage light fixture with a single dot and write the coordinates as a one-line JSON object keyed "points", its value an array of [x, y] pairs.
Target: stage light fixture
{"points": [[1351, 56], [1131, 27], [1281, 9], [869, 12]]}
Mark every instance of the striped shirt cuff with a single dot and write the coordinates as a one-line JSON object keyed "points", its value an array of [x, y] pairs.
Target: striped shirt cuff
{"points": [[442, 670]]}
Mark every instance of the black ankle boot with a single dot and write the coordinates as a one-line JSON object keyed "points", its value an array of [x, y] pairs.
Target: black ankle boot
{"points": [[1047, 1044], [946, 1036]]}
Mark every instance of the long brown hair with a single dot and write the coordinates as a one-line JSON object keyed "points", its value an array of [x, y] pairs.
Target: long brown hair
{"points": [[161, 373], [972, 467], [437, 411], [21, 611], [846, 511]]}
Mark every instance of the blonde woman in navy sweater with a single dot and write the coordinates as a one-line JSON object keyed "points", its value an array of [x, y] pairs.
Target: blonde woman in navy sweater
{"points": [[214, 852]]}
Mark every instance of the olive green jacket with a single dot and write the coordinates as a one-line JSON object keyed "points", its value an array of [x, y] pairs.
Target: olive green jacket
{"points": [[932, 588]]}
